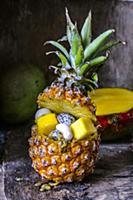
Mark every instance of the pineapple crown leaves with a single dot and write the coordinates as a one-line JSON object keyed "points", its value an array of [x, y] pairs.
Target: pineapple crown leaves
{"points": [[85, 54], [86, 31]]}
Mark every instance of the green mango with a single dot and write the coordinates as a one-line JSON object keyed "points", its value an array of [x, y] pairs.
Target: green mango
{"points": [[19, 88]]}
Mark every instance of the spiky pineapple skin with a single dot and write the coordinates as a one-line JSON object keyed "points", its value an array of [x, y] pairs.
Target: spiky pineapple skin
{"points": [[67, 99], [62, 162]]}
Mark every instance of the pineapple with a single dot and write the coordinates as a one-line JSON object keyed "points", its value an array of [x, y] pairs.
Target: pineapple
{"points": [[67, 151]]}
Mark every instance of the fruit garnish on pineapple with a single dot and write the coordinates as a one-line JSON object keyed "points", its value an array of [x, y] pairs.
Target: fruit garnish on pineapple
{"points": [[83, 128], [68, 152], [46, 123]]}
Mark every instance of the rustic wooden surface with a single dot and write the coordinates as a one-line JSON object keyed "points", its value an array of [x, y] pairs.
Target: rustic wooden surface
{"points": [[2, 193], [112, 178]]}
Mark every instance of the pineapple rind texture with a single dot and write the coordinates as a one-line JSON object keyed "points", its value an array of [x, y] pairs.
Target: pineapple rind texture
{"points": [[60, 100], [57, 162]]}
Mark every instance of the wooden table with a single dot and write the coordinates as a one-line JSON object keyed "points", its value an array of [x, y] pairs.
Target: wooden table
{"points": [[111, 180]]}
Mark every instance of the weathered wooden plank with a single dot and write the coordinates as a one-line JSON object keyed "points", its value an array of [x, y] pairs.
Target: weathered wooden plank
{"points": [[2, 193], [112, 178]]}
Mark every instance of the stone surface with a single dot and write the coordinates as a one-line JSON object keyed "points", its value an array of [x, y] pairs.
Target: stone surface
{"points": [[112, 178]]}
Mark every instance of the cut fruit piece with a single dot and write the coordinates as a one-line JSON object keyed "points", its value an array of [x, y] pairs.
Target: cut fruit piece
{"points": [[110, 106], [65, 118], [112, 101], [111, 91], [83, 128], [114, 112], [65, 106], [41, 112], [116, 126], [65, 130], [46, 123]]}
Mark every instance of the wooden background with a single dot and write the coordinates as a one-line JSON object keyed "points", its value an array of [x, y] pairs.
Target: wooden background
{"points": [[26, 25]]}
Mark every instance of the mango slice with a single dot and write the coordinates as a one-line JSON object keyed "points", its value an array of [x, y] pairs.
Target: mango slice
{"points": [[112, 100], [83, 128], [46, 123]]}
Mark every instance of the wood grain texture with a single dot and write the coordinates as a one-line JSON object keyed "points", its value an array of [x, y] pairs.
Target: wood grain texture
{"points": [[2, 193], [26, 25], [111, 180]]}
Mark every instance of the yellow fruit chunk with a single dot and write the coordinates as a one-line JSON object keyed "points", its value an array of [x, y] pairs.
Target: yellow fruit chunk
{"points": [[83, 128], [112, 100], [46, 123]]}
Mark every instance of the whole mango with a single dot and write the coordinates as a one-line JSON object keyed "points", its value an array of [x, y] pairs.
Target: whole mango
{"points": [[19, 88]]}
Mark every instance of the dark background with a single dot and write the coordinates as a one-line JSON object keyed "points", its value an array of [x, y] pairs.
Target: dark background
{"points": [[26, 25]]}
